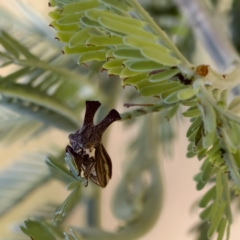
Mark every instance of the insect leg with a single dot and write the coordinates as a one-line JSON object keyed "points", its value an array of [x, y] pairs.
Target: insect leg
{"points": [[88, 170], [78, 158]]}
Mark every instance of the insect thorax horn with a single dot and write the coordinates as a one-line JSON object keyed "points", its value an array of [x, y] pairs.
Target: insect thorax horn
{"points": [[112, 116], [91, 108]]}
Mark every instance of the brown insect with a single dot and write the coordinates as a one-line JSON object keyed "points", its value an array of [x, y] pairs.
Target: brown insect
{"points": [[87, 149]]}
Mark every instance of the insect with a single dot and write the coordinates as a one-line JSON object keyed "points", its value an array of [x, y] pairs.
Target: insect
{"points": [[87, 149]]}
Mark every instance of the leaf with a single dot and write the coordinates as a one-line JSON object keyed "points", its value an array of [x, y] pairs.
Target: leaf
{"points": [[8, 46], [94, 14], [68, 18], [192, 113], [68, 204], [118, 5], [104, 40], [99, 55], [221, 228], [39, 230], [159, 57], [73, 7], [186, 94], [140, 43], [195, 124], [142, 65], [60, 170], [124, 28], [20, 179], [163, 75], [217, 218], [209, 195], [209, 116], [19, 47], [127, 53], [171, 96], [65, 36], [135, 79], [158, 88], [113, 63]]}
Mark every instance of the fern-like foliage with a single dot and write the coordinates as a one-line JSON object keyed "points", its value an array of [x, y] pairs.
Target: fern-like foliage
{"points": [[130, 45], [25, 176]]}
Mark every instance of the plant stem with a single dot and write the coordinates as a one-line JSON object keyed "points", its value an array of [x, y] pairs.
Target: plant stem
{"points": [[160, 33], [72, 76], [141, 111], [47, 102]]}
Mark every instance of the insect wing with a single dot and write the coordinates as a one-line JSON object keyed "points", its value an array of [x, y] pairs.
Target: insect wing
{"points": [[103, 167]]}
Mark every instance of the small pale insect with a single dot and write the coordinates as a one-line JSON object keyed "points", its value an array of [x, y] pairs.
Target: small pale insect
{"points": [[87, 149]]}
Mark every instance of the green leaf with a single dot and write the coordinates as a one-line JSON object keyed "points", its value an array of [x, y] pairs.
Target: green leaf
{"points": [[172, 111], [113, 63], [127, 53], [16, 45], [140, 42], [135, 79], [221, 228], [186, 94], [70, 27], [164, 75], [208, 196], [216, 220], [159, 56], [56, 167], [209, 139], [39, 230], [8, 46], [196, 123], [99, 55], [69, 18], [79, 7], [56, 14], [20, 179], [81, 48], [79, 37], [68, 204], [192, 113], [104, 40], [209, 116], [158, 88], [73, 167], [171, 96], [65, 36], [94, 14], [118, 5], [87, 22], [204, 215], [142, 65], [124, 28]]}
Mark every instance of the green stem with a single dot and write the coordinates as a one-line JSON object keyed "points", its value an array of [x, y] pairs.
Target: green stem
{"points": [[44, 101], [140, 112], [160, 33], [59, 70]]}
